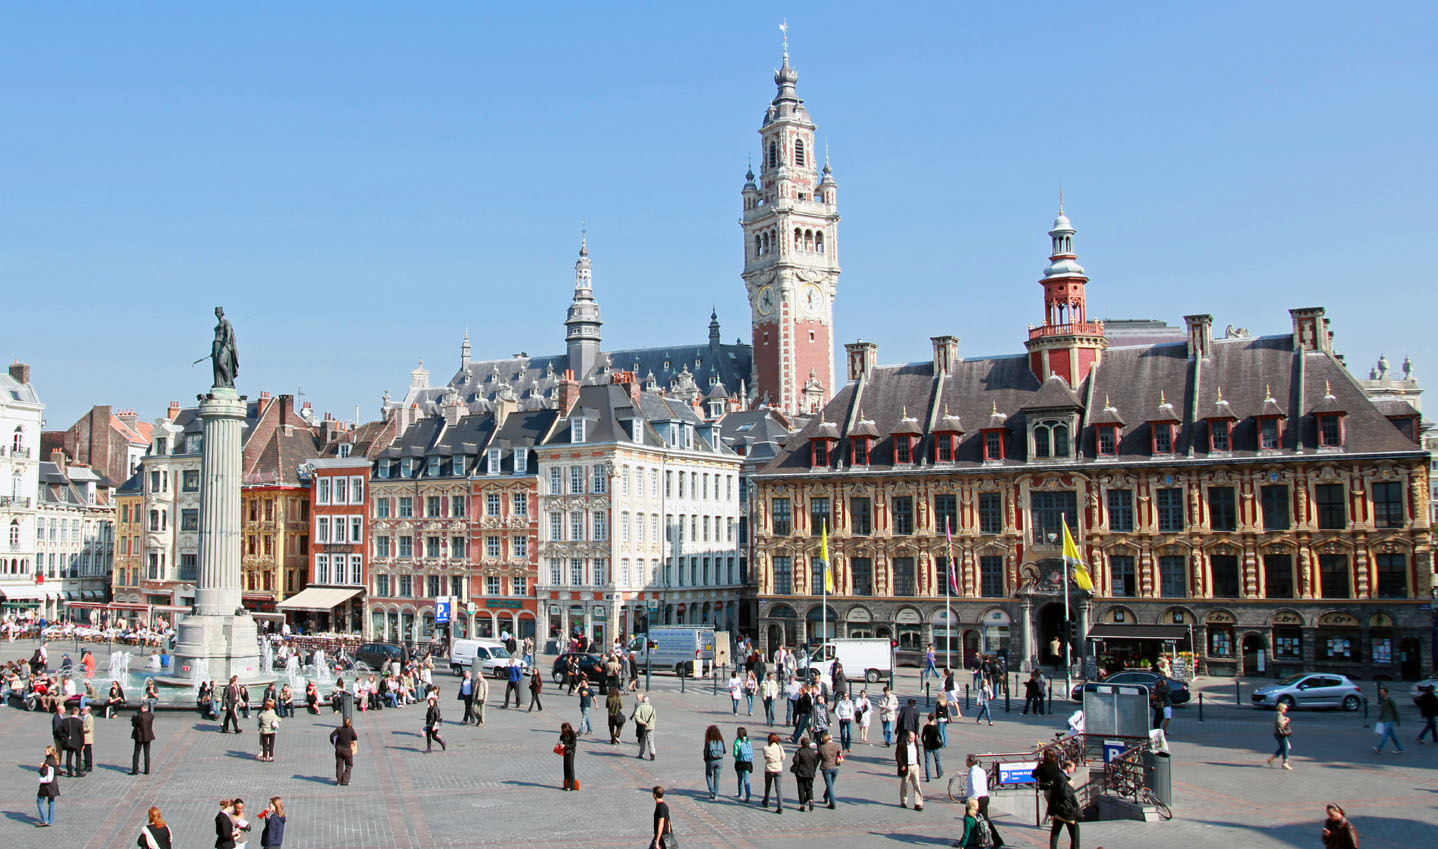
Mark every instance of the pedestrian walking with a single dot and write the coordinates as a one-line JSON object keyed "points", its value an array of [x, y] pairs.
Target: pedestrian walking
{"points": [[72, 734], [663, 823], [432, 721], [568, 743], [736, 690], [774, 773], [1282, 730], [930, 667], [830, 757], [863, 714], [743, 764], [1427, 704], [751, 689], [481, 697], [803, 713], [805, 767], [268, 722], [932, 743], [1162, 700], [1387, 721], [513, 676], [888, 711], [142, 731], [844, 712], [644, 721], [1064, 808], [909, 718], [986, 695], [1034, 694], [768, 692], [466, 695], [536, 684], [978, 783], [713, 759], [614, 706], [586, 703], [273, 836], [1338, 832], [229, 706], [49, 789], [155, 834], [977, 830], [346, 743], [907, 758]]}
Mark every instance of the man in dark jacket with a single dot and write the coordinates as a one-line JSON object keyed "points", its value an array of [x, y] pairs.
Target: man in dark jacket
{"points": [[1428, 708], [229, 703], [841, 681], [466, 695], [803, 713], [142, 731], [346, 741], [514, 675], [908, 719], [1064, 807], [72, 730]]}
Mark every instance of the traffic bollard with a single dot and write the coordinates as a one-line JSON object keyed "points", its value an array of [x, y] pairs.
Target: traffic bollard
{"points": [[928, 698], [1200, 707], [682, 676], [1237, 692], [1050, 707], [1365, 711], [966, 697], [1006, 700]]}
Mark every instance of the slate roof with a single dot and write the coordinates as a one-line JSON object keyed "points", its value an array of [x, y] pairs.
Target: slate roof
{"points": [[1131, 379], [462, 447], [612, 411], [13, 390]]}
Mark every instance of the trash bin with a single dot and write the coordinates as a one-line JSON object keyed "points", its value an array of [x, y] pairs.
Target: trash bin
{"points": [[1158, 775]]}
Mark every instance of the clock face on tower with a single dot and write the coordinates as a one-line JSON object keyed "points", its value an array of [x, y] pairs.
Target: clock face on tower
{"points": [[813, 299], [766, 300]]}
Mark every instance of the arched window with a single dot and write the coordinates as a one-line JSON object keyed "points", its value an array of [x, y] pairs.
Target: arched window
{"points": [[809, 240], [17, 442], [1068, 244], [819, 241], [773, 155], [798, 239], [758, 245], [1061, 440], [799, 152], [1041, 441], [14, 533]]}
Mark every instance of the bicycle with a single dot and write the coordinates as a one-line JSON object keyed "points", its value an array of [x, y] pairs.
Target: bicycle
{"points": [[1130, 784]]}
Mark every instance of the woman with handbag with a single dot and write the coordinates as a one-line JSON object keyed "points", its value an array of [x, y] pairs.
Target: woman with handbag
{"points": [[568, 742], [743, 764], [1282, 729]]}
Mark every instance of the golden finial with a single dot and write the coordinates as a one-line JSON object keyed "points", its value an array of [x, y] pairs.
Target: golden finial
{"points": [[1327, 389], [1107, 405], [1162, 401], [1268, 392], [1220, 395], [996, 408]]}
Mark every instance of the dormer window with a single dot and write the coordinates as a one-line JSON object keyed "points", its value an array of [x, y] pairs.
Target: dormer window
{"points": [[1107, 440], [861, 451], [433, 467], [343, 449], [406, 467], [903, 449], [576, 430], [819, 453], [993, 445], [521, 461], [636, 430], [1218, 435], [944, 447], [1268, 434], [1330, 431], [1051, 439], [496, 458], [1162, 438]]}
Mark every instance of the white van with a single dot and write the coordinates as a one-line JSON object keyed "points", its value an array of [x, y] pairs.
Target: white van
{"points": [[486, 657], [867, 658]]}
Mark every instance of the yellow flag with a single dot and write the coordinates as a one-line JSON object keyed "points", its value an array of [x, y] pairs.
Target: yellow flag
{"points": [[824, 556], [1071, 556]]}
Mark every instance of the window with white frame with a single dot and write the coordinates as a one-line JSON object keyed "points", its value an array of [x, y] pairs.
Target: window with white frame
{"points": [[356, 490], [654, 527], [491, 504], [576, 571], [556, 571], [601, 525], [624, 481], [322, 490], [356, 569], [556, 526], [653, 483], [624, 527], [519, 585], [556, 480], [601, 479], [519, 504], [341, 493], [322, 568], [322, 528], [520, 546], [491, 585], [576, 430], [576, 525], [601, 571], [576, 480], [456, 506], [356, 529], [381, 546], [382, 508], [491, 547], [496, 459], [521, 461], [624, 571]]}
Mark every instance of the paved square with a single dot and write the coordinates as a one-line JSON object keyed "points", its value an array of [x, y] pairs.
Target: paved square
{"points": [[499, 785]]}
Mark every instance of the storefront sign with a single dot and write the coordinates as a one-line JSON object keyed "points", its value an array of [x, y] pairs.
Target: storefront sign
{"points": [[600, 612], [506, 603], [908, 616], [1018, 772]]}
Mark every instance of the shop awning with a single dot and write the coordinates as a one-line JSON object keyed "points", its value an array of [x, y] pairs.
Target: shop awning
{"points": [[1114, 631], [23, 593], [319, 598]]}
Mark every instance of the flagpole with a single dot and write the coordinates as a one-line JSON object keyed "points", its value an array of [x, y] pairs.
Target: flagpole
{"points": [[1068, 667], [948, 607]]}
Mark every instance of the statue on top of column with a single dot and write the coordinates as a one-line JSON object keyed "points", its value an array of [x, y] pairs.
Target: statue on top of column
{"points": [[224, 355]]}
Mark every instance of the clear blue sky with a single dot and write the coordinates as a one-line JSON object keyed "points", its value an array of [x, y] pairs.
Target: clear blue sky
{"points": [[357, 183]]}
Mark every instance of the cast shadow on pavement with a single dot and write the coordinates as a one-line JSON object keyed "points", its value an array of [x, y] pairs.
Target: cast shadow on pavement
{"points": [[317, 779]]}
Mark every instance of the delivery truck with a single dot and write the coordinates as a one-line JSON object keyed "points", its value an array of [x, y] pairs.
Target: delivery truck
{"points": [[869, 659], [675, 649]]}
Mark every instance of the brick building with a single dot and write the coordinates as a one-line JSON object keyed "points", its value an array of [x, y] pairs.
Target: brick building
{"points": [[112, 442]]}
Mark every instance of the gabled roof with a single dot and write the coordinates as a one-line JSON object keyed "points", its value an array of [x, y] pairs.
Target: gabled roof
{"points": [[1055, 394]]}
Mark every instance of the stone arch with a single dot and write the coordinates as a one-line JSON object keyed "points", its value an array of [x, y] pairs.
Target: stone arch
{"points": [[1167, 617]]}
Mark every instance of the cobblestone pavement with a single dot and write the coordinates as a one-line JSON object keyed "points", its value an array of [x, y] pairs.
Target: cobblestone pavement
{"points": [[499, 785]]}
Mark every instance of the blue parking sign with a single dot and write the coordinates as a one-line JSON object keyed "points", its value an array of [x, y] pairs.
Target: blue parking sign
{"points": [[441, 612]]}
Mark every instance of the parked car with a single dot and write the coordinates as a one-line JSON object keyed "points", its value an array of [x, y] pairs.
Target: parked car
{"points": [[374, 655], [1430, 682], [1311, 689], [1177, 690], [589, 665]]}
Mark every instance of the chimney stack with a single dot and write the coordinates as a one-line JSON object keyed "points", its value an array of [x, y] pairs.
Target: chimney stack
{"points": [[568, 392], [862, 358], [1310, 330], [946, 353], [1200, 335], [174, 410], [20, 372], [57, 456]]}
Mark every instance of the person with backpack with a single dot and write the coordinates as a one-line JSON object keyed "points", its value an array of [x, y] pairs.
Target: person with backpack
{"points": [[713, 759], [743, 765], [977, 831]]}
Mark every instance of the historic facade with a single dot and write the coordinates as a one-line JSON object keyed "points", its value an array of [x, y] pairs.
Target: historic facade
{"points": [[21, 417], [112, 442], [639, 504], [74, 530], [1242, 497]]}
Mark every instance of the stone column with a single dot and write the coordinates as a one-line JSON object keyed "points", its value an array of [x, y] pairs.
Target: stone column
{"points": [[1026, 641], [217, 590]]}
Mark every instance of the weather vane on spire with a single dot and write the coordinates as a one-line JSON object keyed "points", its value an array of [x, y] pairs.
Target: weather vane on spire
{"points": [[784, 28]]}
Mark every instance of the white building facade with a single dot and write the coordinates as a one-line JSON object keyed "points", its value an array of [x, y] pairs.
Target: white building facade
{"points": [[21, 420]]}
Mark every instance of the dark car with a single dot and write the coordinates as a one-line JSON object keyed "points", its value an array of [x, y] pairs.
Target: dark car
{"points": [[1177, 690], [589, 665], [374, 655]]}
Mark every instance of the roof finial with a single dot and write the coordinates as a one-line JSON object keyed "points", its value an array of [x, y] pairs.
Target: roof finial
{"points": [[583, 237], [784, 28], [1220, 395], [1107, 405], [1327, 389], [1268, 392], [1061, 198], [1162, 401], [996, 409]]}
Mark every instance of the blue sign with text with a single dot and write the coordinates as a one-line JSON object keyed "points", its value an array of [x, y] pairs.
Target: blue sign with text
{"points": [[441, 612]]}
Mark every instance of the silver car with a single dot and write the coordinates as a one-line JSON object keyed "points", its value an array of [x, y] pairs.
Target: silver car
{"points": [[1311, 689]]}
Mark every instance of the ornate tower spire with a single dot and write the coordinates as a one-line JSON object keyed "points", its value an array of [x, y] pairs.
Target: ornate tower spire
{"points": [[464, 351], [791, 268], [1067, 343], [582, 323]]}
